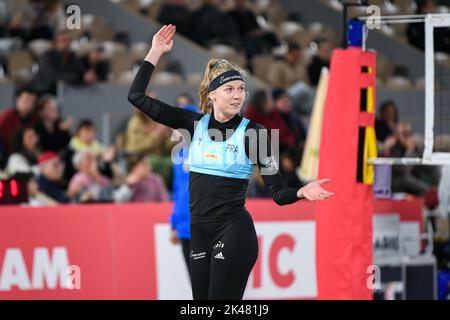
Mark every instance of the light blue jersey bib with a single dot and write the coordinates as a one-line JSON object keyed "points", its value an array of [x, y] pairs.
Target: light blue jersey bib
{"points": [[225, 159]]}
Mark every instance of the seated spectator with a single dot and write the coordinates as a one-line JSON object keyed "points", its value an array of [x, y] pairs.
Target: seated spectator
{"points": [[416, 31], [262, 110], [53, 132], [144, 135], [85, 138], [287, 70], [405, 177], [145, 185], [57, 64], [288, 169], [321, 59], [184, 99], [36, 197], [395, 139], [88, 185], [24, 152], [283, 105], [19, 116], [177, 13], [386, 123], [50, 177], [37, 19], [212, 26], [288, 73], [94, 66], [256, 39]]}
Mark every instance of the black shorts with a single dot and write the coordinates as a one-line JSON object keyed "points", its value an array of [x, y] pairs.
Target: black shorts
{"points": [[222, 257]]}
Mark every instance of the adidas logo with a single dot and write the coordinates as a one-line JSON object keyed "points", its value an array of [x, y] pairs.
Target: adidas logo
{"points": [[219, 255]]}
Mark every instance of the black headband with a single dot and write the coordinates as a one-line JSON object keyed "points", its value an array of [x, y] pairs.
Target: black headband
{"points": [[223, 78]]}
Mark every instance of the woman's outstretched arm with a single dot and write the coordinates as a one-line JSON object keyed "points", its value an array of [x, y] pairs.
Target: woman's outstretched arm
{"points": [[269, 168], [159, 111]]}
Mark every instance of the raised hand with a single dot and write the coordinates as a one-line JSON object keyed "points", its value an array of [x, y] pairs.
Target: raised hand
{"points": [[162, 42], [313, 191]]}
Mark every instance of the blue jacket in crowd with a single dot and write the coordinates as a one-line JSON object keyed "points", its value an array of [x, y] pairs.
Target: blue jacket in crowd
{"points": [[180, 219]]}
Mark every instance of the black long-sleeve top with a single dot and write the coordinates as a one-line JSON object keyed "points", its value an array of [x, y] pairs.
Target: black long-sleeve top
{"points": [[211, 198]]}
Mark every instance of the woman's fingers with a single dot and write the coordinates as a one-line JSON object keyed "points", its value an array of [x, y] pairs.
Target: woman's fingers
{"points": [[317, 196], [169, 33], [172, 32], [165, 30], [323, 181], [327, 193], [162, 30]]}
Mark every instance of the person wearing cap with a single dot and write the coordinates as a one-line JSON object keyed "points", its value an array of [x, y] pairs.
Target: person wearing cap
{"points": [[50, 177], [224, 244]]}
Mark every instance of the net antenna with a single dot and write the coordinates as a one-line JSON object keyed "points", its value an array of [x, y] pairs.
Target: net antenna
{"points": [[431, 21]]}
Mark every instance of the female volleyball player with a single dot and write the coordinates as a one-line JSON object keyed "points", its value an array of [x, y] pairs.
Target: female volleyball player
{"points": [[224, 245]]}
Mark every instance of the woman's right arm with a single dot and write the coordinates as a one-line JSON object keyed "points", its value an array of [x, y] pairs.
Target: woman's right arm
{"points": [[157, 110]]}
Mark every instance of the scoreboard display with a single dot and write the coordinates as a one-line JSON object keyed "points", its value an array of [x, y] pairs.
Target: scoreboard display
{"points": [[13, 191]]}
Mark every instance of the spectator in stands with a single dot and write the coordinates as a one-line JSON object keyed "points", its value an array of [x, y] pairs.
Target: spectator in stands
{"points": [[146, 136], [88, 184], [395, 139], [36, 19], [184, 99], [416, 180], [212, 26], [255, 39], [54, 133], [145, 185], [287, 70], [50, 178], [15, 118], [261, 110], [386, 123], [288, 166], [35, 197], [283, 105], [416, 31], [94, 66], [24, 152], [321, 59], [85, 138], [57, 64], [177, 13]]}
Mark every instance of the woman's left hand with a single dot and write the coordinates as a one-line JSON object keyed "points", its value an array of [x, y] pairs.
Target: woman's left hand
{"points": [[313, 191]]}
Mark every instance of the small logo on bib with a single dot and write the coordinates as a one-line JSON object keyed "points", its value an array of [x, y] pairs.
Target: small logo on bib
{"points": [[219, 256]]}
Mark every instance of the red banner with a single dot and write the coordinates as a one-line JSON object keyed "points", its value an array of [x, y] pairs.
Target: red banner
{"points": [[123, 252]]}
